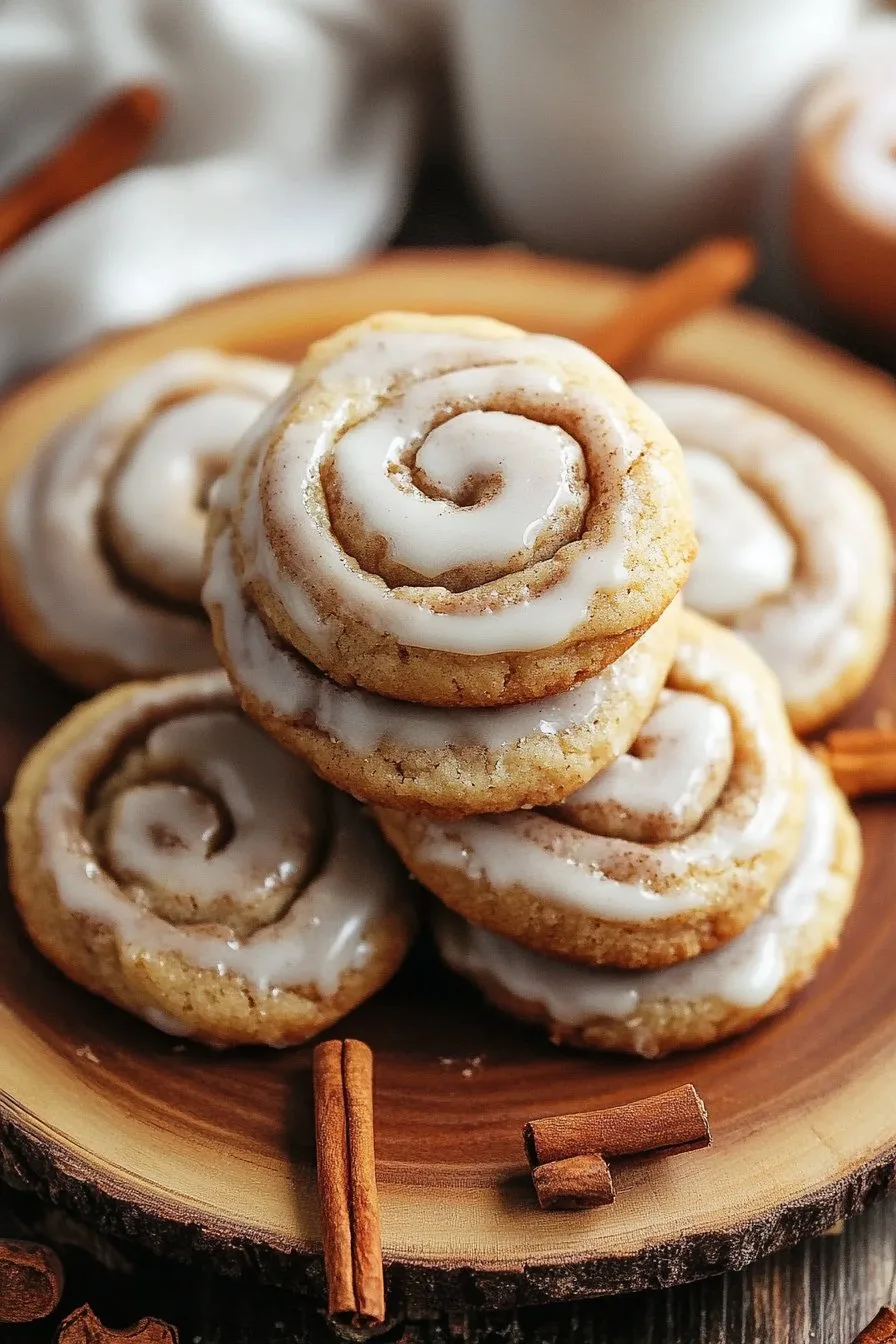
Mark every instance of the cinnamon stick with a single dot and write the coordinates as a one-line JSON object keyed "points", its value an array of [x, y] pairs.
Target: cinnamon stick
{"points": [[346, 1179], [861, 760], [575, 1183], [31, 1282], [882, 1330], [878, 740], [114, 139], [670, 1122], [705, 276], [82, 1327]]}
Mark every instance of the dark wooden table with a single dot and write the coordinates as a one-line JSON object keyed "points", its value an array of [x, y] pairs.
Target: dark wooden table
{"points": [[822, 1292]]}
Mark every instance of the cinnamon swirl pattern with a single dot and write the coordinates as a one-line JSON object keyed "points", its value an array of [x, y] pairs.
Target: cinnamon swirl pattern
{"points": [[698, 1002], [795, 549], [168, 856], [673, 849], [102, 533], [451, 512]]}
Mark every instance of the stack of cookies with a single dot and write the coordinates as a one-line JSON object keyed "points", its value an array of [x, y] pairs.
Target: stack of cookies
{"points": [[444, 569], [447, 573], [689, 890]]}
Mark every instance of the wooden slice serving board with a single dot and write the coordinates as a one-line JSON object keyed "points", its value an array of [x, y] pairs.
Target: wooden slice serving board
{"points": [[209, 1155]]}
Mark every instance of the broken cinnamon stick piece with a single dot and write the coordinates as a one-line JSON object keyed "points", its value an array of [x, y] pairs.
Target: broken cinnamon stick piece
{"points": [[882, 1330], [670, 1122], [115, 138], [703, 277], [31, 1282], [575, 1183], [346, 1180], [82, 1327]]}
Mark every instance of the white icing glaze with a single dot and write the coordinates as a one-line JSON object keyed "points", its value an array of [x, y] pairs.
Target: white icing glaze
{"points": [[251, 834], [429, 533], [131, 473], [483, 850], [745, 555], [620, 879], [809, 632], [747, 972], [155, 505], [673, 775], [417, 402], [363, 721], [174, 837], [384, 356]]}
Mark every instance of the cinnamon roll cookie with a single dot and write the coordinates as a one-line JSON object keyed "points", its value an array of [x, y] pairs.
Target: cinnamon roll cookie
{"points": [[167, 855], [429, 759], [101, 535], [451, 512], [698, 1002], [795, 547], [670, 851]]}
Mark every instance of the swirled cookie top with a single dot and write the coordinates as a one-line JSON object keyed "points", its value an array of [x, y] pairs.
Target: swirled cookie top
{"points": [[423, 478], [664, 786], [108, 520], [788, 533], [205, 839], [705, 788], [747, 972]]}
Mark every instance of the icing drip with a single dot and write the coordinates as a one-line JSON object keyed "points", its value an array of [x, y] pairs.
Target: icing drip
{"points": [[210, 842], [747, 972], [415, 497], [123, 493], [669, 780], [363, 721], [806, 628], [744, 795]]}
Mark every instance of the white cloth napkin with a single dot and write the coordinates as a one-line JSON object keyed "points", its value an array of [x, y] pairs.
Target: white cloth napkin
{"points": [[288, 147]]}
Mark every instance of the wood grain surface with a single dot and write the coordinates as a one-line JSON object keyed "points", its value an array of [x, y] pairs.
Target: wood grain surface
{"points": [[210, 1157]]}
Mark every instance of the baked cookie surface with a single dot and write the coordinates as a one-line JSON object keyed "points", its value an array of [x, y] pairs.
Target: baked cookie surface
{"points": [[166, 855], [452, 512], [674, 848], [101, 534], [795, 547], [699, 1002], [428, 759]]}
